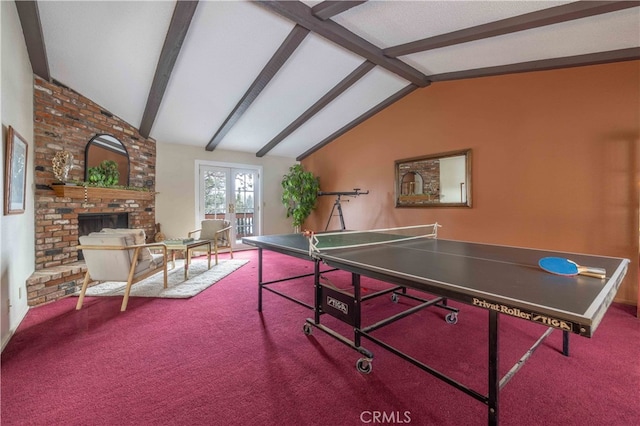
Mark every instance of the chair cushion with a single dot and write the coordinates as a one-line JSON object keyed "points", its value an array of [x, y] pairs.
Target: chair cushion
{"points": [[147, 265], [139, 237], [108, 265], [210, 227]]}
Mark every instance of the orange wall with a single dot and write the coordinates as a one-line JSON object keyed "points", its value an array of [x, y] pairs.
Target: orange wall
{"points": [[555, 161]]}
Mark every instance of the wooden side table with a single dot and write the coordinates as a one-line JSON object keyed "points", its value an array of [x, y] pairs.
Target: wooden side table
{"points": [[186, 248]]}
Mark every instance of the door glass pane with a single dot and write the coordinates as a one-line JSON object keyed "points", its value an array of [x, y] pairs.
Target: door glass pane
{"points": [[245, 203], [233, 194], [215, 194]]}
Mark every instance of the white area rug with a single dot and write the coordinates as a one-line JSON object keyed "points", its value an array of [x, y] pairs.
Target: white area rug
{"points": [[177, 288]]}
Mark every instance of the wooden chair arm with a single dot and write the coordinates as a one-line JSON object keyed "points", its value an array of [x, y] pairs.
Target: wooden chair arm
{"points": [[224, 229], [216, 233], [132, 247], [158, 244], [90, 247]]}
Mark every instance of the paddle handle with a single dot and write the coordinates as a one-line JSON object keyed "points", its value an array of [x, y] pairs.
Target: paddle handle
{"points": [[592, 272]]}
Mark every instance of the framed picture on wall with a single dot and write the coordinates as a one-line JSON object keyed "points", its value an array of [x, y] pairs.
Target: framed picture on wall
{"points": [[15, 173]]}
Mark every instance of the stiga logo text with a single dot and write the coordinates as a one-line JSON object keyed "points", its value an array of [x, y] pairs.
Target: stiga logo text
{"points": [[515, 312], [336, 304]]}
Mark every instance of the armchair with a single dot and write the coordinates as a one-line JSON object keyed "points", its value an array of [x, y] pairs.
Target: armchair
{"points": [[116, 255], [218, 231]]}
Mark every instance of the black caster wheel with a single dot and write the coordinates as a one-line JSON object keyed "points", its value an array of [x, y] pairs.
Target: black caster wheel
{"points": [[307, 329], [451, 318], [364, 365], [394, 298]]}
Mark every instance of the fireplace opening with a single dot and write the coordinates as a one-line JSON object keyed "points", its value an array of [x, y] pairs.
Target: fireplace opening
{"points": [[95, 222]]}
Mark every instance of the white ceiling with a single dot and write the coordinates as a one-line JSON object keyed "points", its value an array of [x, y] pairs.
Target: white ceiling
{"points": [[109, 51]]}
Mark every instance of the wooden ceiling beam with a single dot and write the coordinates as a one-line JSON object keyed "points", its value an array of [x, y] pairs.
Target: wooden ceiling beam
{"points": [[302, 14], [337, 90], [329, 9], [178, 28], [370, 113], [32, 29], [540, 18], [281, 56], [621, 55]]}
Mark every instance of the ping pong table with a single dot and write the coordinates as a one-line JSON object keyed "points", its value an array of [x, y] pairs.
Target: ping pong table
{"points": [[500, 279]]}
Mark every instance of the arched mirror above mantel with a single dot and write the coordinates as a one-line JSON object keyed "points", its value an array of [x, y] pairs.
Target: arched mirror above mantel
{"points": [[107, 147]]}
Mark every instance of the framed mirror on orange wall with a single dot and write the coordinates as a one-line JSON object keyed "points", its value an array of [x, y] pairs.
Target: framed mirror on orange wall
{"points": [[107, 147], [437, 180]]}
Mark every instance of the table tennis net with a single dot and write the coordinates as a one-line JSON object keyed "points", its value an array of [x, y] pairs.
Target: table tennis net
{"points": [[353, 239]]}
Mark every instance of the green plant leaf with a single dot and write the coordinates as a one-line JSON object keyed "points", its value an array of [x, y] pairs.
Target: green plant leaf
{"points": [[299, 193], [105, 174]]}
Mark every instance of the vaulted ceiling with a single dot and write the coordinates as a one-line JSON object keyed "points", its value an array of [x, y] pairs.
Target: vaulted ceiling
{"points": [[287, 77]]}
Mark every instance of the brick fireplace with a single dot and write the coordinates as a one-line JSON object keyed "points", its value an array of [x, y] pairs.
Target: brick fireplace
{"points": [[65, 120]]}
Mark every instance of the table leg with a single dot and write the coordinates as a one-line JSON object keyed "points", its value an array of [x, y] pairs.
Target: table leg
{"points": [[317, 297], [187, 261], [259, 279], [494, 360], [173, 259], [355, 282]]}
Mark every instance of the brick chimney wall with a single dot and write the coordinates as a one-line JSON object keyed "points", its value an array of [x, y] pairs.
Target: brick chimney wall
{"points": [[66, 120]]}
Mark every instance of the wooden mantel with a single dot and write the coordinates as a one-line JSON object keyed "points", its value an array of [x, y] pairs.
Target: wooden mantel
{"points": [[72, 191]]}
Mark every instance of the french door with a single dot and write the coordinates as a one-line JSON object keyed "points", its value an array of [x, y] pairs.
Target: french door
{"points": [[231, 193]]}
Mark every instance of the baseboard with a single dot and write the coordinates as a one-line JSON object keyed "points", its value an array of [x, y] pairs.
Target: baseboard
{"points": [[7, 338], [625, 301]]}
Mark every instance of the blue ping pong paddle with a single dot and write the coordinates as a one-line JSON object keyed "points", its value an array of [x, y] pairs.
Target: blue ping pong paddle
{"points": [[569, 268]]}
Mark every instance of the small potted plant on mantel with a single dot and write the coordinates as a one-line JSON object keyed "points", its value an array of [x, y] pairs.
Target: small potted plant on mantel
{"points": [[105, 174], [300, 191]]}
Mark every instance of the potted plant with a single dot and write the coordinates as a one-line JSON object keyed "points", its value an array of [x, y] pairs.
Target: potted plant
{"points": [[300, 191], [105, 174]]}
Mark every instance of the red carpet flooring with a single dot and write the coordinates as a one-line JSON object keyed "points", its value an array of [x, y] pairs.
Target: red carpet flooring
{"points": [[214, 360]]}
